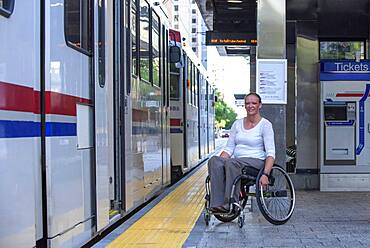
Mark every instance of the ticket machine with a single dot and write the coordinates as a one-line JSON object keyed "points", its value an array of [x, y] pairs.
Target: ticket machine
{"points": [[345, 126]]}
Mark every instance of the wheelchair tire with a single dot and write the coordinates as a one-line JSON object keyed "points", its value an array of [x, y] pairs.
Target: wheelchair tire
{"points": [[277, 201]]}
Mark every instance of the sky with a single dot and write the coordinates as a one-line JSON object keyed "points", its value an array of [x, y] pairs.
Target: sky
{"points": [[232, 76]]}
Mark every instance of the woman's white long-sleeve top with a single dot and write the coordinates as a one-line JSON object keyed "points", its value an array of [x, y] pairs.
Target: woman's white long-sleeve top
{"points": [[257, 142]]}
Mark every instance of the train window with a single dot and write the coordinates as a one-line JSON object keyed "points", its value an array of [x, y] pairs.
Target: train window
{"points": [[144, 41], [188, 86], [78, 19], [194, 84], [174, 82], [166, 64], [134, 44], [342, 49], [6, 7], [155, 49]]}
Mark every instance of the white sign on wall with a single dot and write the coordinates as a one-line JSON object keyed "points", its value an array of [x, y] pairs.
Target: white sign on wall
{"points": [[271, 82]]}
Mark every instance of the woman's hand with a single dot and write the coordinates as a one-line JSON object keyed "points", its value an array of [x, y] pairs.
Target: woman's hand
{"points": [[264, 181], [224, 155]]}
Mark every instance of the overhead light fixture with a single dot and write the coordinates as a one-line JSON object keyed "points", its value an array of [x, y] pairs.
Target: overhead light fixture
{"points": [[234, 1]]}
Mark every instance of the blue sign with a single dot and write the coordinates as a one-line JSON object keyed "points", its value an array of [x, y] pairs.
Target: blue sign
{"points": [[346, 66], [341, 70]]}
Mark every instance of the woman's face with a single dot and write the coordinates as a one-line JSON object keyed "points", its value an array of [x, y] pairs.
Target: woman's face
{"points": [[252, 105]]}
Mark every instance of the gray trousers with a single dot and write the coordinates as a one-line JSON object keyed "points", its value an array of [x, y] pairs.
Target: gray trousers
{"points": [[222, 172]]}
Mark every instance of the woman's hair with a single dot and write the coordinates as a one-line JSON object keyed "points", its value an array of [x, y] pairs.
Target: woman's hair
{"points": [[253, 94]]}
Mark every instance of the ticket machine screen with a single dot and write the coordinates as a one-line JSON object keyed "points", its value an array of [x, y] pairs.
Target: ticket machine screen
{"points": [[335, 112]]}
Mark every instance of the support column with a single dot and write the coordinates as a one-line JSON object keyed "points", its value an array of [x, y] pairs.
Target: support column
{"points": [[271, 40], [252, 69]]}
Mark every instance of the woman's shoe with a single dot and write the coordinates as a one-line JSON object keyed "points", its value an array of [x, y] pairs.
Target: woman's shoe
{"points": [[220, 209]]}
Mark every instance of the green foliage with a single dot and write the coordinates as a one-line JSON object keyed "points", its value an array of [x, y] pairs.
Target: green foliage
{"points": [[225, 116]]}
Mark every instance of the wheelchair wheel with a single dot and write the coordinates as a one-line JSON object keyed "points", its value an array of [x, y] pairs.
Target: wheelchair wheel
{"points": [[276, 202]]}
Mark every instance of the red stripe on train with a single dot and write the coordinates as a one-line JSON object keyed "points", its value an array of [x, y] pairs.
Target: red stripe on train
{"points": [[26, 99], [61, 104], [175, 122], [350, 95], [16, 98]]}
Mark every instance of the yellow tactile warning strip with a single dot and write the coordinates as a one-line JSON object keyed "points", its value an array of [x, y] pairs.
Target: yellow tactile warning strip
{"points": [[170, 222]]}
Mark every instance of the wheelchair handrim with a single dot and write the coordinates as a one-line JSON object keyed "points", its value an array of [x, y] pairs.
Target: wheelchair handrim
{"points": [[292, 200]]}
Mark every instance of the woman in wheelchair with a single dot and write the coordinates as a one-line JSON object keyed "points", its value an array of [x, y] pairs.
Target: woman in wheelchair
{"points": [[250, 149], [251, 143]]}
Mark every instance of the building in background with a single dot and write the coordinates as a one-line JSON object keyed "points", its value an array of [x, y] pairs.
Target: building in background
{"points": [[198, 34], [184, 16]]}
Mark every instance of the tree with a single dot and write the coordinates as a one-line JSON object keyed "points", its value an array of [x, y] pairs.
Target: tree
{"points": [[225, 115]]}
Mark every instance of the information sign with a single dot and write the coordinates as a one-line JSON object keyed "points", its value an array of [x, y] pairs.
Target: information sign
{"points": [[271, 83], [232, 39]]}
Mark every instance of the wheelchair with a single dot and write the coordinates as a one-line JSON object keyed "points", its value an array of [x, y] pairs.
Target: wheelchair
{"points": [[276, 201]]}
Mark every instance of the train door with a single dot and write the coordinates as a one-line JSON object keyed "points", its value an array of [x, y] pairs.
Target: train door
{"points": [[67, 122], [164, 74], [202, 118], [211, 116], [208, 117], [198, 86], [20, 143], [134, 168], [151, 103], [192, 153], [185, 102], [177, 121], [116, 93]]}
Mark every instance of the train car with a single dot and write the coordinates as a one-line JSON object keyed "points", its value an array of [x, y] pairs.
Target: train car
{"points": [[84, 116], [192, 107]]}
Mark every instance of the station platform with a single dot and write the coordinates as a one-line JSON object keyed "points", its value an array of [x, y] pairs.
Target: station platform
{"points": [[175, 219]]}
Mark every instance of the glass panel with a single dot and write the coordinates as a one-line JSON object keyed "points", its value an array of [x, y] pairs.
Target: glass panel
{"points": [[174, 87], [188, 82], [134, 53], [342, 49], [78, 24], [335, 113], [144, 41], [7, 7], [174, 82], [155, 49], [196, 86]]}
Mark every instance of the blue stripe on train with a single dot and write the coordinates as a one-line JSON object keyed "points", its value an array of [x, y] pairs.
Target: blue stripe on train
{"points": [[19, 129], [61, 129], [26, 129]]}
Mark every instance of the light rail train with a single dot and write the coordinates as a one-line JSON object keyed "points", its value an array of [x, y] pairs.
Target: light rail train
{"points": [[94, 119]]}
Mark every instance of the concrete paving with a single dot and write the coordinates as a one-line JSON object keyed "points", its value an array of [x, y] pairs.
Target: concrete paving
{"points": [[320, 219]]}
